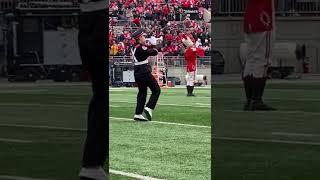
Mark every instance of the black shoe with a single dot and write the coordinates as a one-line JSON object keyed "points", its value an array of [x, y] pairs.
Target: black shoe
{"points": [[191, 95], [246, 106], [260, 106], [148, 115]]}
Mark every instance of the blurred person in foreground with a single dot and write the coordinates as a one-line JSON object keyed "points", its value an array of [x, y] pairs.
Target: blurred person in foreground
{"points": [[93, 51], [258, 28]]}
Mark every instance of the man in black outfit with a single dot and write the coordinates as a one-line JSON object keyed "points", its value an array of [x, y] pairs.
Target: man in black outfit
{"points": [[143, 76], [93, 51]]}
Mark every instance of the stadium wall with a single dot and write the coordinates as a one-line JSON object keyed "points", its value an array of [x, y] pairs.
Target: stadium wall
{"points": [[181, 72], [228, 34]]}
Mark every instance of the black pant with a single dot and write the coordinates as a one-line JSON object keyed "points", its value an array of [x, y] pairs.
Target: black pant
{"points": [[144, 81], [93, 52]]}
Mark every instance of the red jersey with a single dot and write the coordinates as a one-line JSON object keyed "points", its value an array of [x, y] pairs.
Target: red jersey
{"points": [[258, 16], [190, 55]]}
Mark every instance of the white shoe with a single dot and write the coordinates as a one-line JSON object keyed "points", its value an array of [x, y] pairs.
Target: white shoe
{"points": [[96, 173], [148, 113], [139, 118]]}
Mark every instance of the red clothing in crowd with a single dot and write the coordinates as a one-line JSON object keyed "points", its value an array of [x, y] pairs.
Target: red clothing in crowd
{"points": [[186, 4], [121, 47], [136, 21], [126, 35], [168, 37], [178, 38], [110, 37], [258, 16], [127, 3], [140, 9], [190, 55], [132, 42], [166, 11]]}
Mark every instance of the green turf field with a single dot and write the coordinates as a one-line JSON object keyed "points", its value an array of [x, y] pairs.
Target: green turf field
{"points": [[42, 129], [166, 148], [280, 145]]}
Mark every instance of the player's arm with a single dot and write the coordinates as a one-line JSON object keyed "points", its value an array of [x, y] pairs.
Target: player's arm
{"points": [[149, 51], [198, 51]]}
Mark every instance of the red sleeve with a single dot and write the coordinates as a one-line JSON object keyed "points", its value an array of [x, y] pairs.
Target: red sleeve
{"points": [[200, 52]]}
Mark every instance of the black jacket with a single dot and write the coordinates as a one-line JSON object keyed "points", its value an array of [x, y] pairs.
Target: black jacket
{"points": [[141, 54]]}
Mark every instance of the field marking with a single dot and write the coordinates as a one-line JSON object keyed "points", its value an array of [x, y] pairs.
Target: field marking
{"points": [[295, 134], [18, 178], [134, 95], [132, 175], [14, 140], [178, 105], [41, 105], [176, 87], [162, 122], [44, 84], [22, 91], [42, 127], [203, 104], [273, 112], [265, 140], [84, 130]]}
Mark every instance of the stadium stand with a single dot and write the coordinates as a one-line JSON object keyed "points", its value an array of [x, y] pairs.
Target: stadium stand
{"points": [[167, 18], [283, 7]]}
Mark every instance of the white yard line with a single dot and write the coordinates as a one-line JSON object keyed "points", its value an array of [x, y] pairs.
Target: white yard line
{"points": [[22, 91], [162, 122], [14, 140], [42, 105], [42, 127], [295, 134], [273, 112], [18, 178], [132, 175], [134, 95], [200, 105], [82, 129], [266, 140]]}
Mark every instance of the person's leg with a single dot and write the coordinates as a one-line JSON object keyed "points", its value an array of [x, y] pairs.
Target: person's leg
{"points": [[259, 51], [192, 80], [188, 84], [93, 45], [247, 82], [155, 89], [141, 97]]}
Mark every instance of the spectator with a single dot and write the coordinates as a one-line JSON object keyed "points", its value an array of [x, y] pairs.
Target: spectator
{"points": [[198, 43], [121, 49], [114, 49]]}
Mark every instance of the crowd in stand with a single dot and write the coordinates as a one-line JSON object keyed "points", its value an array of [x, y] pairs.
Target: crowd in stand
{"points": [[173, 10], [160, 21]]}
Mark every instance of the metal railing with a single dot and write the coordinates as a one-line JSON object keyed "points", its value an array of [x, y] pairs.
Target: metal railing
{"points": [[283, 7], [170, 61]]}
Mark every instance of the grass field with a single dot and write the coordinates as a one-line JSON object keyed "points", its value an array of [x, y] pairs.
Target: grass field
{"points": [[42, 129], [167, 147], [279, 145]]}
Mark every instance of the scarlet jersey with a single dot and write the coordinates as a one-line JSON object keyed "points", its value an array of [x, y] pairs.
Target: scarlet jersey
{"points": [[258, 16], [190, 55]]}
